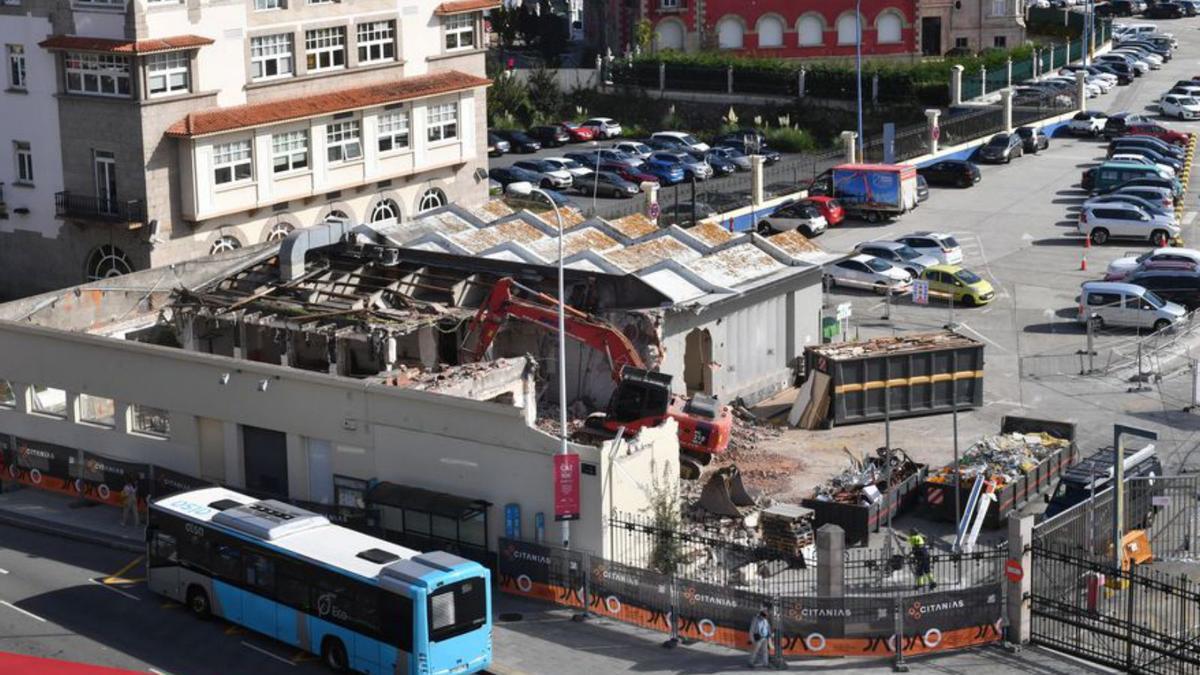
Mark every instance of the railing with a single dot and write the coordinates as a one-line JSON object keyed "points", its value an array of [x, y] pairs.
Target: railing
{"points": [[67, 205]]}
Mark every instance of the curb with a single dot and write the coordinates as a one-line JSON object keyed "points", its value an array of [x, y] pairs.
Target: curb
{"points": [[49, 527]]}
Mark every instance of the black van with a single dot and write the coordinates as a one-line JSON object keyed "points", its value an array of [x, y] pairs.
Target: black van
{"points": [[1094, 475]]}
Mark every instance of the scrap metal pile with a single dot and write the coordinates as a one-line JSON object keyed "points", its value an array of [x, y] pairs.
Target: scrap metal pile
{"points": [[1001, 458], [866, 480]]}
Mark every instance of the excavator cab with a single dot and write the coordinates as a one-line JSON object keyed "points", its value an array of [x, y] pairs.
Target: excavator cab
{"points": [[640, 394]]}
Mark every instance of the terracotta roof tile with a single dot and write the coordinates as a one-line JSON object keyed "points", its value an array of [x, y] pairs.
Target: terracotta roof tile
{"points": [[462, 6], [273, 112], [634, 226], [94, 44]]}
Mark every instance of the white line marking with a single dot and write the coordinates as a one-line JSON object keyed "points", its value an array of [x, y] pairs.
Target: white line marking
{"points": [[28, 614], [156, 671], [3, 571], [983, 337], [264, 652], [114, 590], [1188, 218]]}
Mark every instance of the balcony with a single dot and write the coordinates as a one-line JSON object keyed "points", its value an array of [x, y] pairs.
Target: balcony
{"points": [[99, 209]]}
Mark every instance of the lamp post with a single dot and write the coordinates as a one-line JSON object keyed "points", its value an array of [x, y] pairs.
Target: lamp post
{"points": [[562, 350], [858, 71], [595, 189]]}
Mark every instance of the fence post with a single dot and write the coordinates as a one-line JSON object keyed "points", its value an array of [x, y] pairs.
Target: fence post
{"points": [[1006, 100], [875, 88], [1081, 89], [831, 561], [898, 664], [586, 562], [1037, 62], [956, 77], [982, 80], [777, 659], [673, 615], [934, 131], [800, 82], [1129, 590], [1008, 72], [849, 142], [662, 77], [1019, 605], [756, 179], [728, 79]]}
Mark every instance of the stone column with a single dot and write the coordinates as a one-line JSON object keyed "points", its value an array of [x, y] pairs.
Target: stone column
{"points": [[850, 143], [982, 80], [650, 192], [831, 561], [931, 118], [728, 79], [1006, 100], [800, 82], [1020, 539], [1008, 72], [756, 179], [662, 77], [956, 76], [1081, 89]]}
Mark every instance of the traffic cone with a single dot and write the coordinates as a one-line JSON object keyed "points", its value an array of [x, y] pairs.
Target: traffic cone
{"points": [[1083, 263]]}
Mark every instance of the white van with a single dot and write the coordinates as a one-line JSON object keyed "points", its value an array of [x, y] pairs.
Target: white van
{"points": [[1126, 305]]}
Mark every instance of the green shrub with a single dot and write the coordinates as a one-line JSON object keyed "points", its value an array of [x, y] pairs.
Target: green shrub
{"points": [[791, 139]]}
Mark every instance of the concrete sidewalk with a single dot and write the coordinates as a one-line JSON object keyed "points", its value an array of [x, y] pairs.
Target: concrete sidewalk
{"points": [[68, 517]]}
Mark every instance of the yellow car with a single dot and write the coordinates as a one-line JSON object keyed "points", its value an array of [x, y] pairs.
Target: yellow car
{"points": [[966, 287]]}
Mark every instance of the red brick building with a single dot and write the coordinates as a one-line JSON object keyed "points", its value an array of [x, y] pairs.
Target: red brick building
{"points": [[784, 28]]}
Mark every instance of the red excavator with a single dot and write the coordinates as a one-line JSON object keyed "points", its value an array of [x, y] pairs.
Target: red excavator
{"points": [[642, 398]]}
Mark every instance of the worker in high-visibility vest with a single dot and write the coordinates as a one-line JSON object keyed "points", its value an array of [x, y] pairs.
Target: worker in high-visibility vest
{"points": [[922, 561]]}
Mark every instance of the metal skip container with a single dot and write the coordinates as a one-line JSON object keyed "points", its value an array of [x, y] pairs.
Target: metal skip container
{"points": [[925, 373]]}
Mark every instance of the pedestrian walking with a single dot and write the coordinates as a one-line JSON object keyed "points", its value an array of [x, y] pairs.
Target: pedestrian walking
{"points": [[129, 505], [760, 638], [922, 560]]}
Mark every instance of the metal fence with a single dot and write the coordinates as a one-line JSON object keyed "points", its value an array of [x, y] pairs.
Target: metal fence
{"points": [[971, 125]]}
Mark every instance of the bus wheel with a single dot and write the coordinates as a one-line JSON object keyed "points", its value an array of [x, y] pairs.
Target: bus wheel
{"points": [[197, 601], [333, 653]]}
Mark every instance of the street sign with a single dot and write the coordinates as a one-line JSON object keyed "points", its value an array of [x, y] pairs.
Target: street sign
{"points": [[566, 487], [844, 311], [1013, 570], [920, 292], [937, 133], [655, 210]]}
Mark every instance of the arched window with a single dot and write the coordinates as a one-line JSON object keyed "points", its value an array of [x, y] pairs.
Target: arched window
{"points": [[888, 27], [847, 29], [107, 261], [280, 231], [729, 33], [385, 209], [432, 199], [811, 31], [770, 31], [669, 35], [226, 243], [336, 215]]}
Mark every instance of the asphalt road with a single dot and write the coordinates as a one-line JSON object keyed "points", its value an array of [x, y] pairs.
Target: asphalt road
{"points": [[54, 603]]}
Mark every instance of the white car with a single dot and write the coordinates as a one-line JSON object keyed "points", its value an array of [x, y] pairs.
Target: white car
{"points": [[681, 138], [639, 150], [1163, 170], [572, 167], [1101, 222], [865, 271], [940, 245], [549, 174], [1087, 123], [799, 216], [605, 127], [1123, 267], [1181, 107]]}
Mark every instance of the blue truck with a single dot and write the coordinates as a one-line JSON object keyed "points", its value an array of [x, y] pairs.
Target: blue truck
{"points": [[872, 192]]}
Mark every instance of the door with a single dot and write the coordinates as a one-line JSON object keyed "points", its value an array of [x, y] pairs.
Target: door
{"points": [[265, 460], [320, 471], [931, 36], [106, 181], [258, 609]]}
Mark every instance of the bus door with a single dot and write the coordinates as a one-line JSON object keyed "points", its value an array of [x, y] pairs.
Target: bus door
{"points": [[258, 611]]}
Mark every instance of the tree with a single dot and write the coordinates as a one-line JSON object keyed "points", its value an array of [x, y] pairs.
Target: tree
{"points": [[667, 553], [545, 96], [508, 97], [505, 21], [643, 33]]}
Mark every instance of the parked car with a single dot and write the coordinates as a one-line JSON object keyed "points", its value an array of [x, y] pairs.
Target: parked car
{"points": [[605, 155], [1160, 196], [922, 188], [1107, 176], [1033, 139], [1164, 10], [737, 157], [1123, 76], [953, 172], [900, 255], [1180, 107], [828, 206], [497, 146], [636, 176], [634, 148], [940, 245], [864, 271], [1125, 151], [1134, 157], [1102, 222], [1123, 267], [603, 127], [1002, 148], [1156, 265], [1159, 132], [1088, 123], [681, 139], [1180, 286], [606, 183], [692, 168], [1122, 7], [1118, 124], [550, 136], [1123, 197], [805, 218], [1112, 303], [1162, 147], [719, 165], [521, 194], [550, 175], [519, 141], [959, 285], [578, 132], [769, 155], [1172, 188], [505, 176], [666, 168], [572, 167]]}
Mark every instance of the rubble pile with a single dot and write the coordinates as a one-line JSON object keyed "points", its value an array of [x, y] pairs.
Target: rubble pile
{"points": [[864, 482], [1001, 458], [899, 343], [548, 421], [422, 379]]}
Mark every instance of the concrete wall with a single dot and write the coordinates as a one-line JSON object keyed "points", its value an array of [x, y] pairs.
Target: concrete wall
{"points": [[471, 448]]}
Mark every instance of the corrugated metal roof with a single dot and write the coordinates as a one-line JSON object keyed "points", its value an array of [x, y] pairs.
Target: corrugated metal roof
{"points": [[736, 265]]}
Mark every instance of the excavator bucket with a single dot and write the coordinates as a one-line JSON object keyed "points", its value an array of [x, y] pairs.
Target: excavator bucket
{"points": [[689, 469], [724, 493], [737, 490]]}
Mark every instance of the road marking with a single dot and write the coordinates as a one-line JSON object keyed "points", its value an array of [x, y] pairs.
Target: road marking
{"points": [[264, 652], [1189, 218], [170, 605], [28, 614], [116, 578], [3, 571], [114, 590], [156, 671], [234, 630]]}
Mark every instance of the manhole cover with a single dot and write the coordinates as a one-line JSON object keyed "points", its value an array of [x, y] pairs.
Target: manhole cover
{"points": [[511, 616]]}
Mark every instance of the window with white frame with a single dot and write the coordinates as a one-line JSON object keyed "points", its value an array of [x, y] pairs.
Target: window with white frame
{"points": [[232, 162], [343, 141], [460, 31], [442, 121], [289, 151], [16, 66], [97, 74], [432, 199], [263, 5], [325, 48], [224, 244], [271, 56], [167, 73], [999, 7], [393, 130], [670, 4], [24, 155], [376, 41]]}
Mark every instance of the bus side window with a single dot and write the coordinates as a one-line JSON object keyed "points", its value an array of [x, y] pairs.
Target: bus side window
{"points": [[164, 548], [260, 573], [396, 620], [227, 562], [365, 615], [291, 588]]}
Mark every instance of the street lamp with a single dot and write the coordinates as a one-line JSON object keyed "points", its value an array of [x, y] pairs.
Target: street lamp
{"points": [[595, 189], [858, 70], [562, 349]]}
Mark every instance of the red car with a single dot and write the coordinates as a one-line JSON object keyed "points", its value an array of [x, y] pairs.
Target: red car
{"points": [[578, 133], [829, 207], [632, 175], [1158, 131]]}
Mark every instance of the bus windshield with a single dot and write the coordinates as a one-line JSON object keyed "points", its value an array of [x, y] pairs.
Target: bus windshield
{"points": [[456, 609]]}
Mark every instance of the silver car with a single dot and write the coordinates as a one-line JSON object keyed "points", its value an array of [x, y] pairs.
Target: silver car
{"points": [[900, 255]]}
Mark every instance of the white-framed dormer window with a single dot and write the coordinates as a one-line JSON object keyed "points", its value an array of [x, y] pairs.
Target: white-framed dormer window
{"points": [[232, 162], [24, 155], [393, 130], [264, 5], [376, 41], [16, 66], [343, 141], [442, 121], [271, 56], [670, 4], [97, 74], [325, 48], [289, 151], [167, 73], [460, 31]]}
